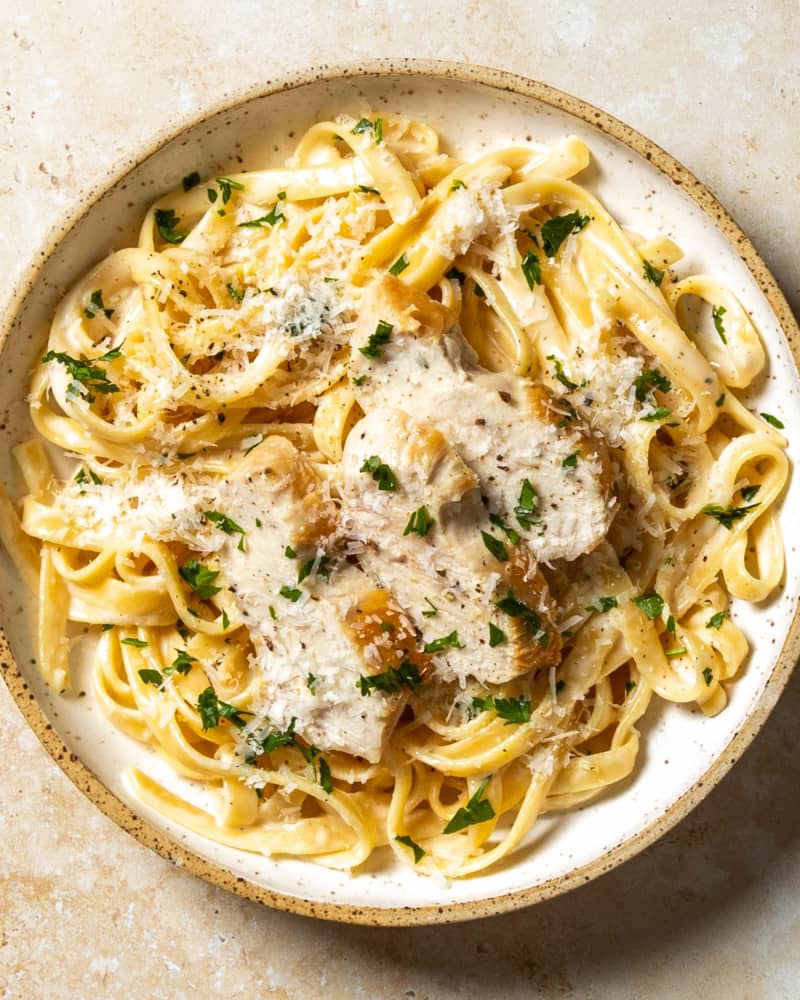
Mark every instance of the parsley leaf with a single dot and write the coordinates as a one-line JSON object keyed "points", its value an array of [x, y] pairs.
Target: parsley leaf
{"points": [[419, 854], [437, 645], [311, 683], [527, 504], [151, 677], [200, 578], [516, 609], [477, 810], [391, 680], [290, 593], [727, 516], [323, 564], [94, 379], [420, 522], [182, 663], [650, 380], [560, 375], [380, 472], [381, 336], [708, 676], [495, 546], [603, 604], [272, 218], [277, 738], [325, 776], [166, 224], [517, 710], [137, 643], [659, 413], [571, 461], [717, 312], [190, 180], [399, 265], [510, 534], [773, 420], [96, 305], [652, 273], [651, 604], [715, 621], [457, 183], [748, 492], [226, 524], [226, 186], [556, 230], [496, 635], [365, 125], [532, 269], [211, 710], [433, 610], [367, 190]]}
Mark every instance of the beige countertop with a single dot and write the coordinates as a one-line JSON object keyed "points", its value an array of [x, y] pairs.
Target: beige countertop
{"points": [[712, 910]]}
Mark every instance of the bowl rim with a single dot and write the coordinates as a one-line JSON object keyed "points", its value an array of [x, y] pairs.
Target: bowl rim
{"points": [[160, 842]]}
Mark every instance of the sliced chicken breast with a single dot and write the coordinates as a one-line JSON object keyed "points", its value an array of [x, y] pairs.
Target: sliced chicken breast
{"points": [[318, 624], [408, 355], [477, 599]]}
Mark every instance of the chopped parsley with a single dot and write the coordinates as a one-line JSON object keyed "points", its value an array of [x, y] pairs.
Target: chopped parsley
{"points": [[496, 635], [367, 190], [182, 663], [708, 676], [556, 230], [391, 680], [431, 611], [277, 738], [603, 604], [773, 421], [510, 534], [380, 472], [659, 413], [325, 776], [137, 643], [399, 265], [200, 578], [678, 651], [226, 186], [717, 312], [560, 375], [167, 225], [527, 504], [359, 380], [437, 645], [323, 568], [477, 810], [419, 853], [495, 546], [516, 710], [671, 626], [571, 461], [720, 400], [82, 478], [151, 677], [365, 125], [532, 269], [457, 183], [652, 273], [96, 306], [748, 492], [226, 524], [381, 336], [211, 710], [234, 292], [728, 515], [311, 683], [272, 218], [190, 180], [651, 604], [290, 593], [92, 378], [650, 380], [420, 522], [516, 609], [289, 552], [716, 620]]}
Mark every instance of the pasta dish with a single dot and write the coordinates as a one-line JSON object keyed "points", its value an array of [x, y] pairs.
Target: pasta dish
{"points": [[397, 487]]}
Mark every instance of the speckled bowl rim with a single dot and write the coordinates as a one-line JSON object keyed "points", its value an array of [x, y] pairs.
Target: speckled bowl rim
{"points": [[84, 779]]}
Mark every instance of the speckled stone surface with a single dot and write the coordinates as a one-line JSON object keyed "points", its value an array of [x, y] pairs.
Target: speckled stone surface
{"points": [[711, 911]]}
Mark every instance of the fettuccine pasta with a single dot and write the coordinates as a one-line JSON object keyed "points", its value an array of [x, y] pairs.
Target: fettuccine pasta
{"points": [[402, 485]]}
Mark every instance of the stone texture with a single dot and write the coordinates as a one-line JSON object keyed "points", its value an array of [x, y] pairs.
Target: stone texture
{"points": [[709, 912]]}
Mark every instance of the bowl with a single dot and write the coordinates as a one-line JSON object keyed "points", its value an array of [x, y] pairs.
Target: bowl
{"points": [[684, 754]]}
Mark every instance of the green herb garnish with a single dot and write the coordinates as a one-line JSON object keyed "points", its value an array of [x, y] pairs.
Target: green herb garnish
{"points": [[419, 854], [556, 230], [652, 273], [381, 336], [437, 645], [532, 269], [211, 710], [380, 472], [420, 522], [392, 680], [399, 265], [166, 224], [728, 515], [651, 604], [477, 810], [200, 578]]}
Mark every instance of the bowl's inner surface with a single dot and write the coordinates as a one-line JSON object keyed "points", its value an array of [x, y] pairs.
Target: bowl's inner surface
{"points": [[679, 744]]}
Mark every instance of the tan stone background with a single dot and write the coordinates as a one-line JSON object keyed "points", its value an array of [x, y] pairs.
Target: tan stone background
{"points": [[713, 910]]}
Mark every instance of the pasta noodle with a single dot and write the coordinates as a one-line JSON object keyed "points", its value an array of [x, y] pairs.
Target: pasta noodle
{"points": [[227, 334]]}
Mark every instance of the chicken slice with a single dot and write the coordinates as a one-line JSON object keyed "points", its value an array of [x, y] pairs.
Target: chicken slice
{"points": [[316, 637], [408, 355], [448, 575]]}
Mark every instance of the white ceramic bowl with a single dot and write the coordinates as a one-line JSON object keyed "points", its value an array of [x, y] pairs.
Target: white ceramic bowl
{"points": [[684, 754]]}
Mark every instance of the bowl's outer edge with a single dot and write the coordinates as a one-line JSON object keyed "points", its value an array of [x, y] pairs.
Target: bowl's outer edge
{"points": [[156, 840]]}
